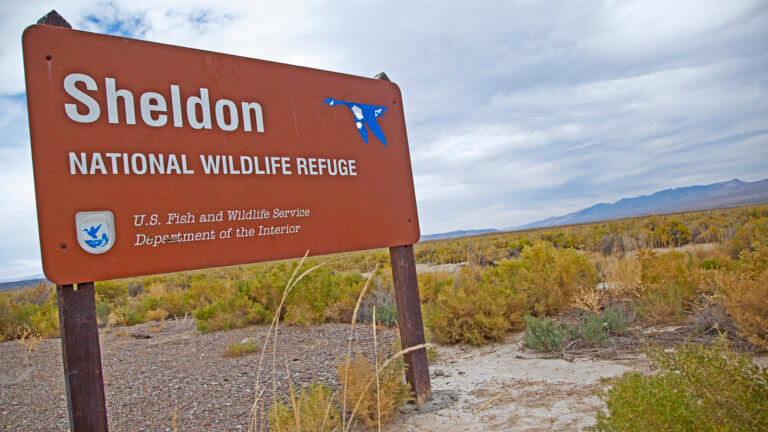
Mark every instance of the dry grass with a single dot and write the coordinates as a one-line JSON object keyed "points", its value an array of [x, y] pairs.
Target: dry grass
{"points": [[29, 339], [373, 391], [156, 315], [375, 404], [238, 349]]}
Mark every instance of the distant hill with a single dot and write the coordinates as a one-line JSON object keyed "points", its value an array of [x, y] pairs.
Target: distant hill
{"points": [[455, 234], [6, 285], [717, 195]]}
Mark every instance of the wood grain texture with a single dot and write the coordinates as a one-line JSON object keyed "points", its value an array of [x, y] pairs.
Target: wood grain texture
{"points": [[82, 358], [409, 319]]}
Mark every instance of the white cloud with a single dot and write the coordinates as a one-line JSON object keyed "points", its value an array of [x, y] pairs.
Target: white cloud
{"points": [[516, 111]]}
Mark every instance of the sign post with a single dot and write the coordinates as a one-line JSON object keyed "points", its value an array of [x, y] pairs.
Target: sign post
{"points": [[151, 158], [406, 286]]}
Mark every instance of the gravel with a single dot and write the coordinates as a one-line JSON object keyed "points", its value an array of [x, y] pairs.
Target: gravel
{"points": [[175, 368]]}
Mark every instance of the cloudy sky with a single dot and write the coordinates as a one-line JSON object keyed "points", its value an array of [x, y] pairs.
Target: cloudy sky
{"points": [[516, 110]]}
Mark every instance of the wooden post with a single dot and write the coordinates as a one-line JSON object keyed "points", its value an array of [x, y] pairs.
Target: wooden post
{"points": [[409, 313], [409, 319], [80, 339], [82, 358]]}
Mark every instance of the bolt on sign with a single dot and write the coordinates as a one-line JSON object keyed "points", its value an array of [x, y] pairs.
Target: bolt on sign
{"points": [[150, 158]]}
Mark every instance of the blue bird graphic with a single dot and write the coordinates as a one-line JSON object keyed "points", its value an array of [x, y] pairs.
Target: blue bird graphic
{"points": [[93, 232], [365, 115]]}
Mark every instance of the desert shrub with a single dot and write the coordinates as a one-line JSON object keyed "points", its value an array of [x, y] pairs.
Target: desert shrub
{"points": [[204, 291], [111, 292], [696, 388], [475, 309], [124, 316], [40, 320], [622, 277], [749, 234], [158, 314], [382, 297], [432, 284], [591, 330], [315, 408], [548, 277], [674, 233], [615, 319], [595, 329], [544, 334], [392, 389], [102, 311], [45, 321], [745, 295], [232, 312], [668, 286], [323, 296], [6, 319], [386, 315], [590, 299], [238, 348]]}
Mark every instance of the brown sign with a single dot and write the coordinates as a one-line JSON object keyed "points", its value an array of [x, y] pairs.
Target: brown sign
{"points": [[152, 158]]}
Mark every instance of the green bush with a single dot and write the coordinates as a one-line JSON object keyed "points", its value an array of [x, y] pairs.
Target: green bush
{"points": [[432, 284], [474, 310], [697, 388], [615, 320], [592, 329], [668, 286], [748, 235], [544, 334], [548, 277], [323, 295], [386, 315], [238, 349], [230, 313]]}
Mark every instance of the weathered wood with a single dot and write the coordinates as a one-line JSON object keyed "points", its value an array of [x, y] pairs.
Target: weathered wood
{"points": [[82, 358], [409, 319], [54, 19], [409, 313]]}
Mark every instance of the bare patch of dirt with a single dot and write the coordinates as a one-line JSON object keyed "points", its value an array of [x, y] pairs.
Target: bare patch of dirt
{"points": [[503, 387]]}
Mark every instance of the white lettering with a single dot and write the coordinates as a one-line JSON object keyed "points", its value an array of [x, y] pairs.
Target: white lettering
{"points": [[93, 107], [205, 108], [153, 102], [256, 108], [220, 120], [112, 95]]}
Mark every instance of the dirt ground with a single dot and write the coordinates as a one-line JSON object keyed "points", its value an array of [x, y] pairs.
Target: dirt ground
{"points": [[150, 373], [502, 387]]}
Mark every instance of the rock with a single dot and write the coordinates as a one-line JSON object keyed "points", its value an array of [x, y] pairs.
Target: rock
{"points": [[439, 372]]}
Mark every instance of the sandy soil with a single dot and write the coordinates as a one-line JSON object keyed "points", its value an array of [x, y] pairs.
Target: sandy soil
{"points": [[499, 387], [523, 390]]}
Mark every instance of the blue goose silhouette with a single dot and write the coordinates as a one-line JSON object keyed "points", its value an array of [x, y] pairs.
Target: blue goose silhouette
{"points": [[92, 231], [96, 242], [365, 115]]}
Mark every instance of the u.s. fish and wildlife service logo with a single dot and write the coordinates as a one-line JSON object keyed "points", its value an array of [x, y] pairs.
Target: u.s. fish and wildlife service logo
{"points": [[95, 231]]}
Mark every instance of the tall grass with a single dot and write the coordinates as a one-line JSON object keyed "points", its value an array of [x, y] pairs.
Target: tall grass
{"points": [[313, 408]]}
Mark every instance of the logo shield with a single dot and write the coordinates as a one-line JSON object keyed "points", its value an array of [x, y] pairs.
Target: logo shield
{"points": [[95, 231]]}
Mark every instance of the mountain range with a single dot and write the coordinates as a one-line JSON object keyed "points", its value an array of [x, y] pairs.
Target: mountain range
{"points": [[730, 193]]}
